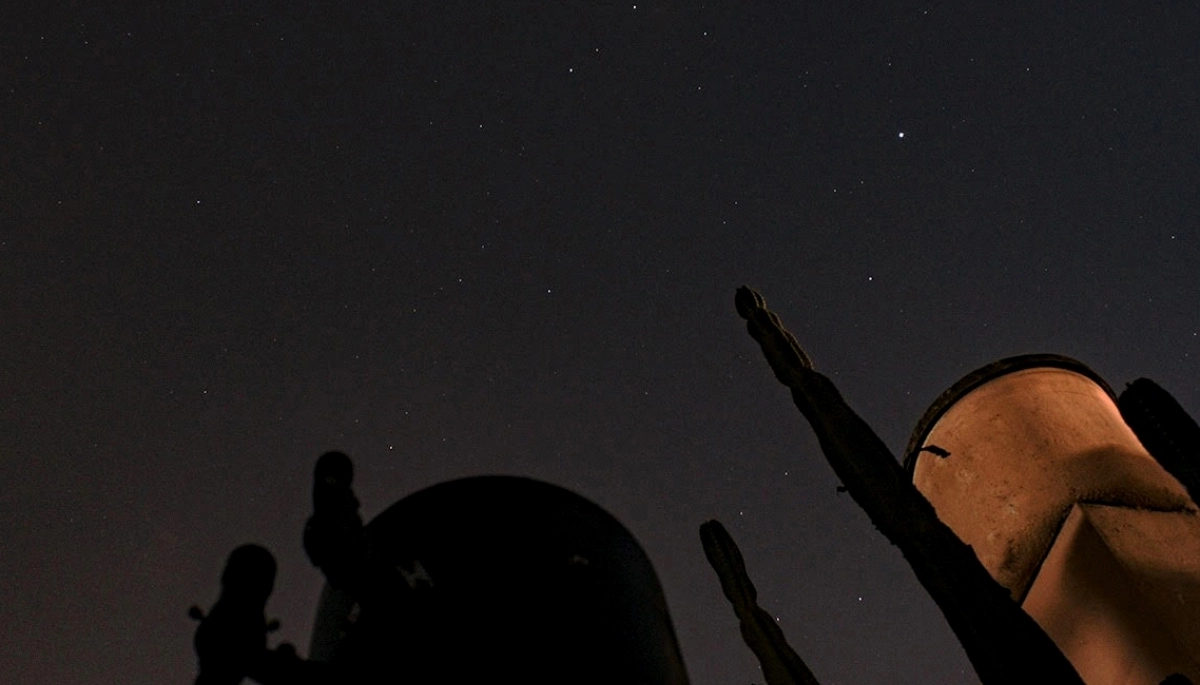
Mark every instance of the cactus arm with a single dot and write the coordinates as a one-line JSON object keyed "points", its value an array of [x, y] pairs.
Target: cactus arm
{"points": [[1004, 644], [781, 665]]}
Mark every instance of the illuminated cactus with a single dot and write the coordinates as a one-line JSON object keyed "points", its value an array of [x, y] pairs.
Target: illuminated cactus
{"points": [[1003, 643]]}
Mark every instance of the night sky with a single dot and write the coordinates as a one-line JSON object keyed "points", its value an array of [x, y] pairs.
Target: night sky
{"points": [[459, 238]]}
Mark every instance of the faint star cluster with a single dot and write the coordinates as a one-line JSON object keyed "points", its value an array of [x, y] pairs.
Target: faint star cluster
{"points": [[452, 240]]}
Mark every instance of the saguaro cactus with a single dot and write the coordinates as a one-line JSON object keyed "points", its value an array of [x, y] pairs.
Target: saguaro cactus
{"points": [[1003, 643]]}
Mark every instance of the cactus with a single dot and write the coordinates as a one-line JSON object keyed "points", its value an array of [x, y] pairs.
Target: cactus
{"points": [[1167, 432], [231, 641], [1004, 644], [781, 665]]}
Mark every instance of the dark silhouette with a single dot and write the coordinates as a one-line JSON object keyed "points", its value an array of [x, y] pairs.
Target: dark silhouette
{"points": [[334, 537], [1167, 432], [1003, 643], [498, 578], [935, 451], [476, 580], [231, 641], [781, 665]]}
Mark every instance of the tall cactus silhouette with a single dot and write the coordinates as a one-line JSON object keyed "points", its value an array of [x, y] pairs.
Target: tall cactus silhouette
{"points": [[1004, 644]]}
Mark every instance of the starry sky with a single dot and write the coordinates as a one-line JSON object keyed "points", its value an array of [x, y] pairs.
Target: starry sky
{"points": [[462, 237]]}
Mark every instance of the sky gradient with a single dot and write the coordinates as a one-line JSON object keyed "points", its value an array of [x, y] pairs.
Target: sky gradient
{"points": [[461, 238]]}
